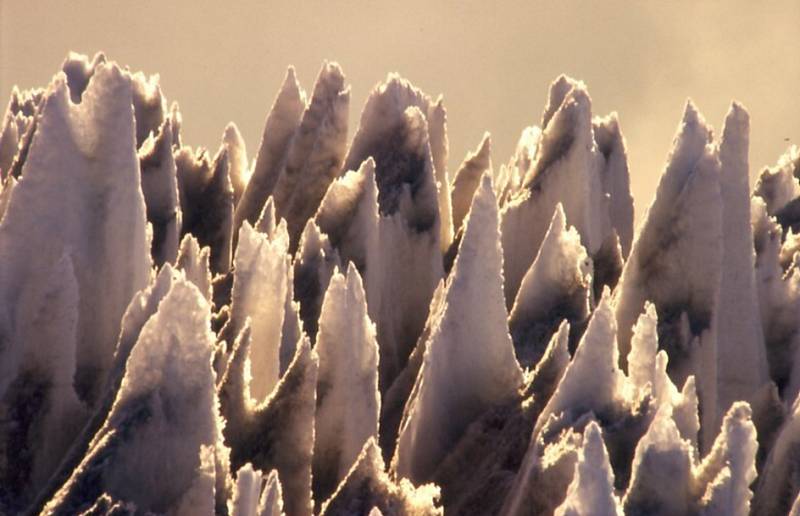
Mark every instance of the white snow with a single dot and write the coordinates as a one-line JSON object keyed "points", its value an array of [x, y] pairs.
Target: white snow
{"points": [[237, 159], [615, 177], [348, 403], [368, 486], [261, 280], [469, 364], [70, 202], [676, 261], [662, 471], [468, 178], [557, 285], [591, 492], [384, 116], [316, 151], [741, 356], [169, 380], [733, 457], [279, 128], [160, 189], [593, 380]]}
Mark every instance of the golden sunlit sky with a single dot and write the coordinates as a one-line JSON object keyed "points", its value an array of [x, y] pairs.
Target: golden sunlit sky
{"points": [[492, 61]]}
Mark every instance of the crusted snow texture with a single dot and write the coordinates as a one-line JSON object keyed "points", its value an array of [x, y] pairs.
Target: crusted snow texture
{"points": [[557, 286], [591, 491], [741, 356], [19, 126], [80, 196], [662, 471], [778, 289], [676, 262], [160, 189], [316, 151], [778, 186], [647, 372], [206, 198], [141, 308], [408, 262], [255, 495], [149, 105], [367, 486], [729, 469], [237, 160], [278, 433], [261, 282], [156, 448], [469, 364], [279, 128], [468, 178], [546, 472], [348, 403], [314, 265]]}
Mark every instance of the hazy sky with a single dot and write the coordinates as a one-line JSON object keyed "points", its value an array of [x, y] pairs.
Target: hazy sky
{"points": [[492, 61]]}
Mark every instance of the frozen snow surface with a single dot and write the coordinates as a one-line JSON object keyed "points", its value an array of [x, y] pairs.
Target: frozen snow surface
{"points": [[346, 327]]}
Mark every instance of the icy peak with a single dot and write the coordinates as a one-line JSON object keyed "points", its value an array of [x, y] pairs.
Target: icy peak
{"points": [[469, 364], [591, 491], [348, 403]]}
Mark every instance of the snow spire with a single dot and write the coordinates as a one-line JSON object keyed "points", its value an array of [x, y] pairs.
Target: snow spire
{"points": [[314, 265], [193, 261], [468, 178], [407, 262], [367, 485], [661, 472], [733, 457], [591, 491], [206, 198], [348, 215], [267, 221], [279, 128], [250, 499], [385, 118], [566, 169], [615, 177], [469, 364], [236, 151], [315, 153], [78, 70], [168, 391], [348, 403], [675, 263], [593, 380], [261, 280], [70, 203], [741, 363], [160, 189], [557, 286]]}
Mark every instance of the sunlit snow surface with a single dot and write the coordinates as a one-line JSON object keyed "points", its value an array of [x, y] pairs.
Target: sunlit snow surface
{"points": [[340, 325]]}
